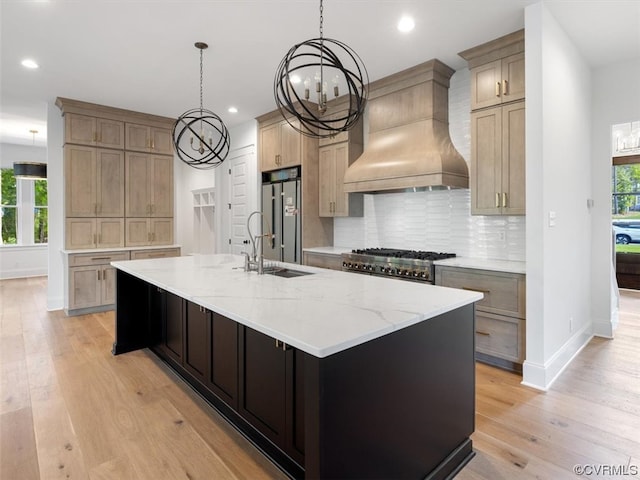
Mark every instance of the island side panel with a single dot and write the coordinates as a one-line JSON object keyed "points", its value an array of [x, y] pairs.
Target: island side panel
{"points": [[133, 328], [394, 407]]}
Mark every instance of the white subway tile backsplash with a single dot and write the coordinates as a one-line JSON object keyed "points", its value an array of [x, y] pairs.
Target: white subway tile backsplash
{"points": [[439, 220]]}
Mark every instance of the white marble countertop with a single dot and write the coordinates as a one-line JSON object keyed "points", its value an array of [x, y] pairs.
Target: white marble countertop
{"points": [[329, 250], [508, 266], [320, 314]]}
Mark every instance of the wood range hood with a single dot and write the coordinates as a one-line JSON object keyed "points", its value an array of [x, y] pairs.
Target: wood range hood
{"points": [[409, 147]]}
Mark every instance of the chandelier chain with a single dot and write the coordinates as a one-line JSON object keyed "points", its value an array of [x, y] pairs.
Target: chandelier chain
{"points": [[321, 103], [321, 19], [200, 79]]}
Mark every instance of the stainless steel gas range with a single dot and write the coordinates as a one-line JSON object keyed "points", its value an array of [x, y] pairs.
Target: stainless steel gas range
{"points": [[412, 265]]}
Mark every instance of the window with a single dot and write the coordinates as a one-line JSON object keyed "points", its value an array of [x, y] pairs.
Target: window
{"points": [[24, 210], [9, 197], [40, 212]]}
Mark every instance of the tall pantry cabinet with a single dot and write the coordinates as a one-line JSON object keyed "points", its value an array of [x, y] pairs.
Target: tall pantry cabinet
{"points": [[118, 196], [497, 177]]}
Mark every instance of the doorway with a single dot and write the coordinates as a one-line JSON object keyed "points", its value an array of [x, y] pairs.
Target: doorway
{"points": [[625, 203]]}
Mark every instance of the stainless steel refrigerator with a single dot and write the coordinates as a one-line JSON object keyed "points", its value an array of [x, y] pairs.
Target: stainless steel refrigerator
{"points": [[282, 209]]}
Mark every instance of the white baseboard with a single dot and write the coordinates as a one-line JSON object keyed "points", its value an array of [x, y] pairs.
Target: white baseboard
{"points": [[541, 377], [23, 273]]}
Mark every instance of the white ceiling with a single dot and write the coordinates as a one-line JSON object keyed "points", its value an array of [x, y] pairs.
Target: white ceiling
{"points": [[139, 54]]}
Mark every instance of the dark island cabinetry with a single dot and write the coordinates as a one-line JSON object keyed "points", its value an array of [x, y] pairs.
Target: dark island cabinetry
{"points": [[397, 406]]}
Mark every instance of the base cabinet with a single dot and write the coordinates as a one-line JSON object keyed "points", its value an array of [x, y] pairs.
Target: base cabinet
{"points": [[500, 315], [91, 280]]}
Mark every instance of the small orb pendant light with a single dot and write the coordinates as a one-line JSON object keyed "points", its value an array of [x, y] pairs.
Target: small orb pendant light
{"points": [[319, 61], [200, 138]]}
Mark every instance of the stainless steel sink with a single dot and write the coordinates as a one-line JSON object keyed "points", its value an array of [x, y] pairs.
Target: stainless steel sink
{"points": [[286, 272]]}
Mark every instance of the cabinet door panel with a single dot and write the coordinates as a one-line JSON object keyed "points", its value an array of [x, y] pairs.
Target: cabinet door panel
{"points": [[486, 163], [223, 379], [137, 137], [80, 181], [161, 141], [327, 180], [108, 285], [161, 230], [290, 145], [513, 73], [84, 287], [513, 162], [80, 233], [79, 129], [110, 183], [137, 232], [269, 146], [196, 358], [173, 326], [161, 192], [341, 205], [137, 185], [264, 385], [110, 133], [484, 89], [110, 232]]}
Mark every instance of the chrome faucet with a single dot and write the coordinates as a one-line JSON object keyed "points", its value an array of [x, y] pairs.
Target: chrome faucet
{"points": [[256, 261]]}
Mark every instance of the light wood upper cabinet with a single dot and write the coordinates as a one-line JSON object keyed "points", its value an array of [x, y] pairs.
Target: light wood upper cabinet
{"points": [[497, 174], [333, 163], [94, 182], [94, 131], [143, 138], [280, 146], [148, 185], [498, 82], [336, 154], [149, 231], [84, 233], [498, 166]]}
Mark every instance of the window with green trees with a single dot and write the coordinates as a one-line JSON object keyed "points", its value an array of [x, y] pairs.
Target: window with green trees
{"points": [[24, 203], [625, 206], [9, 202]]}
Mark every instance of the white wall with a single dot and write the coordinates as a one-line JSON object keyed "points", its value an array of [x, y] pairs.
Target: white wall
{"points": [[615, 100], [29, 260], [55, 189], [438, 220], [558, 180]]}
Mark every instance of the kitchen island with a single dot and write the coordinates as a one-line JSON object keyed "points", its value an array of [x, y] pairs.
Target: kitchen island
{"points": [[331, 374]]}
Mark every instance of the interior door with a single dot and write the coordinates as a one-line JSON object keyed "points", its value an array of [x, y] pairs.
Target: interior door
{"points": [[239, 201]]}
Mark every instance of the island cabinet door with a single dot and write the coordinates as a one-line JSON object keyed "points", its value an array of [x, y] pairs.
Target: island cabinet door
{"points": [[197, 344], [223, 373], [172, 333], [271, 391]]}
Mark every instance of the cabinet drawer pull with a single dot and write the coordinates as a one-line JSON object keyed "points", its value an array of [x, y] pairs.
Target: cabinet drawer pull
{"points": [[486, 334], [479, 290], [504, 199], [497, 89], [505, 87], [497, 200], [94, 259], [98, 272]]}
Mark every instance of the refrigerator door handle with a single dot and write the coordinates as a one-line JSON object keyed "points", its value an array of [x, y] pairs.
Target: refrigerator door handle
{"points": [[272, 240]]}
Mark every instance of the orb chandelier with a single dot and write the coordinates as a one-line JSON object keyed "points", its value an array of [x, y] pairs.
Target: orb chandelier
{"points": [[200, 137], [311, 65]]}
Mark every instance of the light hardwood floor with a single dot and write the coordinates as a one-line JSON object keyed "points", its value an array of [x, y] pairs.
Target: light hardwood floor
{"points": [[69, 409]]}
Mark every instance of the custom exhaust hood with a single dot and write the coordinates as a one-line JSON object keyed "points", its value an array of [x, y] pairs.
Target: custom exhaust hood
{"points": [[409, 147]]}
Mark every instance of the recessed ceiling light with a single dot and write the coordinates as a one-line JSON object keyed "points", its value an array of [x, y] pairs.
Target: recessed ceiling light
{"points": [[232, 110], [28, 63], [406, 24]]}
